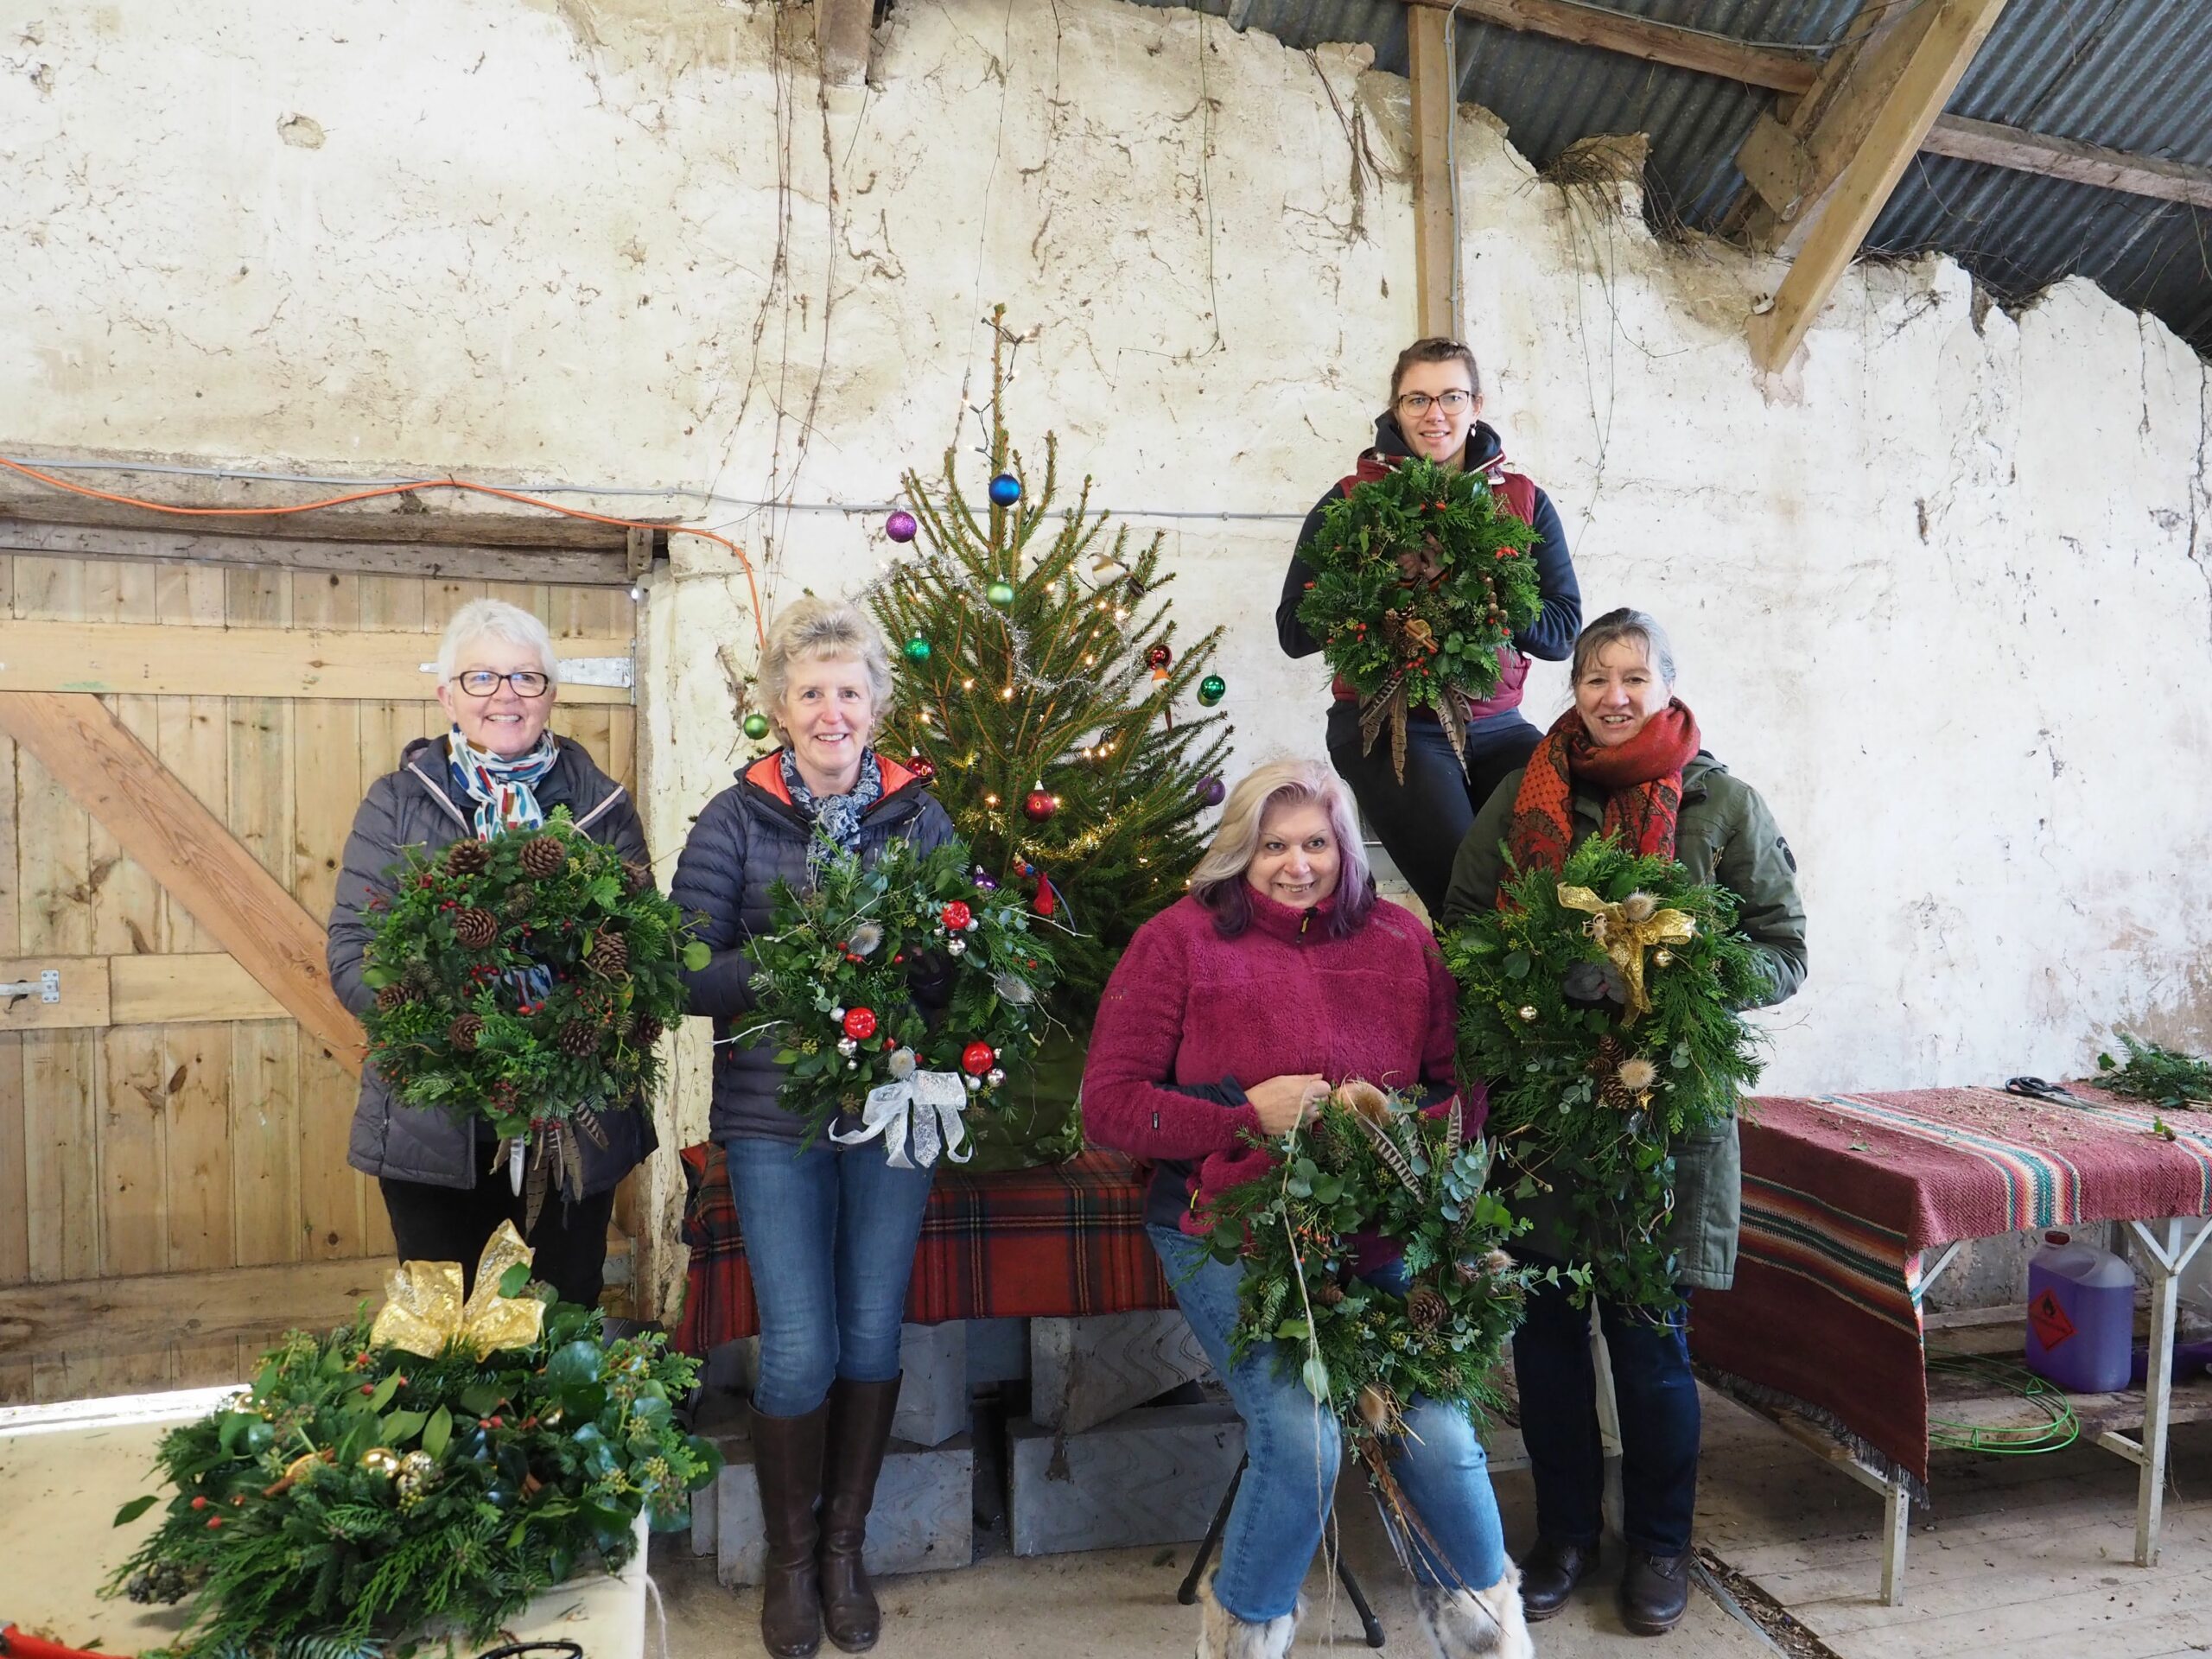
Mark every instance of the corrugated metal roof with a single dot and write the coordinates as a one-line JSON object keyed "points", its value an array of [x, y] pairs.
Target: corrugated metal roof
{"points": [[2128, 75]]}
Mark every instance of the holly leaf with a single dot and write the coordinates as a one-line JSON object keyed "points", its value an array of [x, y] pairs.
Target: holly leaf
{"points": [[437, 1431]]}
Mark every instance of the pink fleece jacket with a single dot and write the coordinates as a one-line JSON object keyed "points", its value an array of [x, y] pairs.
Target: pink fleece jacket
{"points": [[1185, 1006]]}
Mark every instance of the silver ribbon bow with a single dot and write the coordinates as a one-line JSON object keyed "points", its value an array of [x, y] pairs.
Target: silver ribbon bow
{"points": [[929, 1103]]}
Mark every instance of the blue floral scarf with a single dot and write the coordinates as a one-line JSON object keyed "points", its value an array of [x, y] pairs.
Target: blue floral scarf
{"points": [[836, 818], [501, 788]]}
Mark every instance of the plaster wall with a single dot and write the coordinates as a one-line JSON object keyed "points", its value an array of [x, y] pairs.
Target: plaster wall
{"points": [[1940, 590]]}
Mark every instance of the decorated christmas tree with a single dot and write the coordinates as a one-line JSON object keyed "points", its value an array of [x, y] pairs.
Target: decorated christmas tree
{"points": [[1041, 682]]}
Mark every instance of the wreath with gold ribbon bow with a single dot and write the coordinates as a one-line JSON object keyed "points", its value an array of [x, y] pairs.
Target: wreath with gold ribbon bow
{"points": [[1601, 1002]]}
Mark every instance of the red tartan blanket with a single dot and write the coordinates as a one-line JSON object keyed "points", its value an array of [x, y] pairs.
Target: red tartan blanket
{"points": [[1064, 1242], [1842, 1193]]}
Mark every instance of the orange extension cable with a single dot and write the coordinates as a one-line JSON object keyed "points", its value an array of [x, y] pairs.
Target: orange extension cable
{"points": [[52, 482]]}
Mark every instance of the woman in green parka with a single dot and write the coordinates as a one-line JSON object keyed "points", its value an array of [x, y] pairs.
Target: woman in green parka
{"points": [[1625, 761]]}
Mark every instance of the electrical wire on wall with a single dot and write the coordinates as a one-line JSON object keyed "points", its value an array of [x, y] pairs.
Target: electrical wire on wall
{"points": [[374, 492]]}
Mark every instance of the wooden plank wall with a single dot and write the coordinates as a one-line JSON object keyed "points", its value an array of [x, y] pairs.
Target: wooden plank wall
{"points": [[130, 1150]]}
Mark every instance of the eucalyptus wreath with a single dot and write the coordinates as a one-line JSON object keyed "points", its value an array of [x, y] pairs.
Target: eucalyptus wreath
{"points": [[1371, 1162], [1419, 578], [893, 972], [1601, 1002]]}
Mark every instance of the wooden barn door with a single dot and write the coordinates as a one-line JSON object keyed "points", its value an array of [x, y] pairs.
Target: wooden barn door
{"points": [[174, 1188]]}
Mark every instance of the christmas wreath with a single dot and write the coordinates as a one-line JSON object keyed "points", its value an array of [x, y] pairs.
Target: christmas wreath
{"points": [[363, 1494], [525, 980], [1602, 1004], [1370, 1162], [1421, 577], [835, 980]]}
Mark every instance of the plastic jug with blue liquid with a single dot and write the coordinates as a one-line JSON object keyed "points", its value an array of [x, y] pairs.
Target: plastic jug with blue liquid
{"points": [[2081, 1316]]}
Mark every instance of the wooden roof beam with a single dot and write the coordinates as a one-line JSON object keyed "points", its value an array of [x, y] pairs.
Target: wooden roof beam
{"points": [[1848, 142], [1435, 74]]}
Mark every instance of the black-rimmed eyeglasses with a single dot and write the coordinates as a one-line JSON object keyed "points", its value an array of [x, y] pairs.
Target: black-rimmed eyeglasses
{"points": [[483, 683], [1416, 404]]}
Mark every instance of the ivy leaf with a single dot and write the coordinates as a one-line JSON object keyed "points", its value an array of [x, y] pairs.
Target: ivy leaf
{"points": [[1517, 965]]}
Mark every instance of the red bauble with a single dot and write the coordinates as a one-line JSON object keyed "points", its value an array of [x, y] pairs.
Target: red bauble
{"points": [[921, 765], [956, 916], [977, 1058], [860, 1024], [1040, 806], [1158, 656]]}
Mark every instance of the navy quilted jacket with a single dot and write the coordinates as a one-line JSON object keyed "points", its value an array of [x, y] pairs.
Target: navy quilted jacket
{"points": [[749, 837]]}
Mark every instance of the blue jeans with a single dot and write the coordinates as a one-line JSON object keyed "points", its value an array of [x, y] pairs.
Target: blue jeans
{"points": [[830, 1235], [1659, 1413], [1294, 1448]]}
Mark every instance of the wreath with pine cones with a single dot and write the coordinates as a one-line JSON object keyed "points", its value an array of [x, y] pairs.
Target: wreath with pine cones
{"points": [[1373, 1162], [1421, 578], [526, 980]]}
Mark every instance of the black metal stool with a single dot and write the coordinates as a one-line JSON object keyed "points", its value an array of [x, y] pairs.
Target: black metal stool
{"points": [[1189, 1592]]}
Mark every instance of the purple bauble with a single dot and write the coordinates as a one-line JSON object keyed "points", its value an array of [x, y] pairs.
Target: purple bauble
{"points": [[900, 526], [986, 881], [1211, 792]]}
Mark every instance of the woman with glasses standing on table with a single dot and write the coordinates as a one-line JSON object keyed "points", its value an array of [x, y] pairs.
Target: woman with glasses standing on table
{"points": [[496, 770], [1436, 400]]}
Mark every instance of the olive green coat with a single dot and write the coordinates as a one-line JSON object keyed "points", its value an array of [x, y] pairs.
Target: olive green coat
{"points": [[1723, 834]]}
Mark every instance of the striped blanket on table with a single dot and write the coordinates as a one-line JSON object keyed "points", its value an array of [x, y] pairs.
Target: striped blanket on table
{"points": [[1066, 1241], [1843, 1194]]}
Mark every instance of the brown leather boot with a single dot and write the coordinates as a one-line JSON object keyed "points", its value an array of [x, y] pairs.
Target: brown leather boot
{"points": [[787, 1461], [859, 1429]]}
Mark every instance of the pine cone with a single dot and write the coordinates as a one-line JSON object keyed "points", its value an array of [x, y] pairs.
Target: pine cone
{"points": [[518, 906], [164, 1582], [393, 997], [647, 1031], [464, 1032], [467, 858], [1425, 1309], [543, 857], [610, 954], [579, 1041], [640, 877], [476, 928], [1330, 1295]]}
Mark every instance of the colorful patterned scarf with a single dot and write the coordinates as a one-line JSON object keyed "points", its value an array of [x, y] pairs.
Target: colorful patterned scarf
{"points": [[1641, 780], [499, 788], [836, 818]]}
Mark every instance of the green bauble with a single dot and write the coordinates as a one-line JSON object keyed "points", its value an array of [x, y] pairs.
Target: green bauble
{"points": [[1213, 689], [756, 726], [1000, 594], [918, 650]]}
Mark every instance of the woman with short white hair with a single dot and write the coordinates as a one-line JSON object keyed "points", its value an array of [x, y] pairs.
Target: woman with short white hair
{"points": [[830, 1229], [497, 769], [1233, 1012]]}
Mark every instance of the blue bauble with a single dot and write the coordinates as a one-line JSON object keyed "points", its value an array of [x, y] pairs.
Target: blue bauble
{"points": [[1006, 489]]}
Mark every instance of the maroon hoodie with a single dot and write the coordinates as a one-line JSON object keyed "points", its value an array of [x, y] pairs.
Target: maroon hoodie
{"points": [[1186, 1007]]}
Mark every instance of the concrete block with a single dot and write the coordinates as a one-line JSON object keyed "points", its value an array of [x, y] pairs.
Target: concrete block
{"points": [[703, 1518], [1083, 1372], [1149, 1476], [998, 1351], [933, 1394], [923, 1518]]}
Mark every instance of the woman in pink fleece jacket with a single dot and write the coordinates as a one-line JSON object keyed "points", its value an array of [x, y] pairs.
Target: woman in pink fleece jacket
{"points": [[1231, 1015]]}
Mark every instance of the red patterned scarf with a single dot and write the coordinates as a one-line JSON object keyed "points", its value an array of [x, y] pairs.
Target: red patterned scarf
{"points": [[1641, 780]]}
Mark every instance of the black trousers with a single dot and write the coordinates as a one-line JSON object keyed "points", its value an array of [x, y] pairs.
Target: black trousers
{"points": [[451, 1224], [1421, 820]]}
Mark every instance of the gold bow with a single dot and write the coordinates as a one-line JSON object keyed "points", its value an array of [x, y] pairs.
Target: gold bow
{"points": [[424, 1311], [1626, 931]]}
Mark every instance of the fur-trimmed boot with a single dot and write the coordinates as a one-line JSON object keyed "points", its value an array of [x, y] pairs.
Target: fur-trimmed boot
{"points": [[1476, 1624], [1221, 1635]]}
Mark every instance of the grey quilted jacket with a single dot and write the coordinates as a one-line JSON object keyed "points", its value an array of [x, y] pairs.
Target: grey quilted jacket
{"points": [[420, 806], [749, 837]]}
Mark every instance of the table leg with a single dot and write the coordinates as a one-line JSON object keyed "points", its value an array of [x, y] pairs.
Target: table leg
{"points": [[2163, 1262], [1897, 1526]]}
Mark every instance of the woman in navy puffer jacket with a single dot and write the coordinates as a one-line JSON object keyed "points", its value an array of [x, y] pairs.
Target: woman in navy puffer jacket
{"points": [[829, 1230]]}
